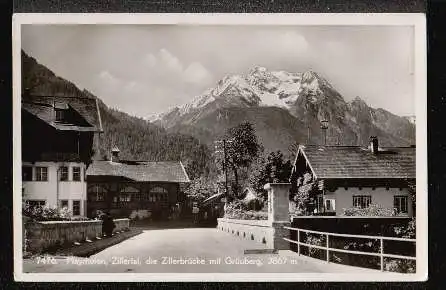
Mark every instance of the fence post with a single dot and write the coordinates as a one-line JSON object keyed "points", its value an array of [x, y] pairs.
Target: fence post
{"points": [[382, 253], [298, 242], [328, 247]]}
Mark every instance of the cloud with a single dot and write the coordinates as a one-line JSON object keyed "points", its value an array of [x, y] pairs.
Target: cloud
{"points": [[196, 73], [170, 61], [165, 67], [293, 42], [150, 60], [109, 78]]}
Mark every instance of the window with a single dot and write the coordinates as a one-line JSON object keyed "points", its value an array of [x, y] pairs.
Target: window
{"points": [[158, 189], [41, 173], [128, 193], [27, 173], [96, 193], [400, 203], [100, 196], [64, 203], [76, 174], [124, 197], [76, 207], [362, 201], [158, 194], [63, 173], [330, 205], [36, 203], [60, 115]]}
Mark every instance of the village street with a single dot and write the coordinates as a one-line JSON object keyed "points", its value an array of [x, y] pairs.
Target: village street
{"points": [[189, 250]]}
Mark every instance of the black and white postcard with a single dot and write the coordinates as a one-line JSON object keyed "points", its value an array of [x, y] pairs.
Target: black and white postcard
{"points": [[220, 147]]}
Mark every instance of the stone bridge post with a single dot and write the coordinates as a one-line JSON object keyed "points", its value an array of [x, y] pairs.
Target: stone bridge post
{"points": [[278, 213]]}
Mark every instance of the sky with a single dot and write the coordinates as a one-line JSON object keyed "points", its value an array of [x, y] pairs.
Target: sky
{"points": [[147, 69]]}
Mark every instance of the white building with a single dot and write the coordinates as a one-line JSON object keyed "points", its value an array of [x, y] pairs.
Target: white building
{"points": [[346, 177], [57, 147]]}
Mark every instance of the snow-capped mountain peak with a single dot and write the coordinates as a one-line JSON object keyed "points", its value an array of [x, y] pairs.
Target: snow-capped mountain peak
{"points": [[260, 87]]}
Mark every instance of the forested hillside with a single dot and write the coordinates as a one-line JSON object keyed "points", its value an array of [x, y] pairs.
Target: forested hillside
{"points": [[137, 138]]}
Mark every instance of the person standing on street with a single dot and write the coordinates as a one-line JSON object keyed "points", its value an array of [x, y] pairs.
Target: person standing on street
{"points": [[195, 212]]}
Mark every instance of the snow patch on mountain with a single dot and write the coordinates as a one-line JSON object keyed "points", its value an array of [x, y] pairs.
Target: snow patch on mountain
{"points": [[260, 87]]}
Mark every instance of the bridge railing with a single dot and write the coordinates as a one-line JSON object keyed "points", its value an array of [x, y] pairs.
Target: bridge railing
{"points": [[381, 254]]}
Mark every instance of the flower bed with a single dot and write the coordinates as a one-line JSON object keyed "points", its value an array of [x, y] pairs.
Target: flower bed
{"points": [[241, 211]]}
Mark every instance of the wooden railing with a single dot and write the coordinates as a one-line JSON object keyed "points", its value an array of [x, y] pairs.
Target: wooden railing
{"points": [[328, 249]]}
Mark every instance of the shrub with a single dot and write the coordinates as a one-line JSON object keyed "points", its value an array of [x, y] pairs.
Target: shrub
{"points": [[372, 210], [407, 231], [316, 240], [254, 204], [400, 266], [239, 210], [48, 213]]}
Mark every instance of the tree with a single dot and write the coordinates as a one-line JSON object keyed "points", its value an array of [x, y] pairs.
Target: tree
{"points": [[242, 149], [200, 189], [273, 168]]}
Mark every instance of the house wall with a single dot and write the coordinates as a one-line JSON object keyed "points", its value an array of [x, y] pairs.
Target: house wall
{"points": [[380, 195], [43, 235], [48, 190], [135, 206]]}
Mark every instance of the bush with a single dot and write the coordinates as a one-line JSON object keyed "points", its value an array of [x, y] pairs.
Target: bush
{"points": [[400, 266], [372, 210], [407, 231], [316, 240], [254, 204], [48, 213], [239, 210]]}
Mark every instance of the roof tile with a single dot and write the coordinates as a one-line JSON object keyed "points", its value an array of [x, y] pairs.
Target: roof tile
{"points": [[166, 171], [358, 162]]}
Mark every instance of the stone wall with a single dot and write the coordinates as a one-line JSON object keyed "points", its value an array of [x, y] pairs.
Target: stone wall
{"points": [[121, 225], [255, 230], [42, 236]]}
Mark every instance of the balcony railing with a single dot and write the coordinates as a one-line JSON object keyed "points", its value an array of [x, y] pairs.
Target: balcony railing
{"points": [[328, 249], [59, 156]]}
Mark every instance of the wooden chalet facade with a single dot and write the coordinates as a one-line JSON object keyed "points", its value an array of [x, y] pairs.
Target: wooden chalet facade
{"points": [[57, 147], [342, 177], [130, 188]]}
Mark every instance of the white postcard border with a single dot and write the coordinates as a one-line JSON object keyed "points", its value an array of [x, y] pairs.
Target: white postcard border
{"points": [[418, 20]]}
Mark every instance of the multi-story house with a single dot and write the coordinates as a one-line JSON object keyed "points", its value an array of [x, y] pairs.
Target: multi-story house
{"points": [[57, 147], [345, 177], [127, 188]]}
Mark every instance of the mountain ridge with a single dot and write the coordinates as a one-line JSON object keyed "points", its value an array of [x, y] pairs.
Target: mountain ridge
{"points": [[307, 96]]}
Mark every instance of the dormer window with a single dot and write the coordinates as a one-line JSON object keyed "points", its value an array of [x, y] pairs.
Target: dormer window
{"points": [[61, 110], [60, 115]]}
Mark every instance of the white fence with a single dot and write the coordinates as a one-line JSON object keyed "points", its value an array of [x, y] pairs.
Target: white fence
{"points": [[328, 249]]}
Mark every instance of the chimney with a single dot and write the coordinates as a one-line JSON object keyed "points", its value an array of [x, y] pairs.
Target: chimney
{"points": [[115, 154], [374, 144]]}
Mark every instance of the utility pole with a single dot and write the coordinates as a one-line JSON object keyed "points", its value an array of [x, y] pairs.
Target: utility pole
{"points": [[224, 167], [225, 160], [308, 134], [324, 127]]}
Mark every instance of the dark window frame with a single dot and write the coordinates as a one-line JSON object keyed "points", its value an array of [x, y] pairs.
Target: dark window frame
{"points": [[362, 201], [60, 115], [39, 173], [398, 207], [75, 209], [36, 202], [64, 176], [77, 176], [62, 201]]}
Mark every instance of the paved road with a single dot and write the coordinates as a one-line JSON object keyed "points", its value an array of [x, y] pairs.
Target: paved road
{"points": [[189, 250]]}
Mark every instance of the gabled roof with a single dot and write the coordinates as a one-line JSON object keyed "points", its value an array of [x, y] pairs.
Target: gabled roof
{"points": [[166, 171], [43, 108], [339, 162]]}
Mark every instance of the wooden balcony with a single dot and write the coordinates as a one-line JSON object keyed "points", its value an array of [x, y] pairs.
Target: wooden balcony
{"points": [[60, 156]]}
